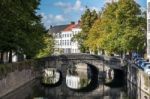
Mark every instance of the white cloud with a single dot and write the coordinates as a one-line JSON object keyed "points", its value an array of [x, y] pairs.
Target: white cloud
{"points": [[78, 6], [110, 1], [95, 8], [68, 7], [62, 4], [50, 19], [59, 18]]}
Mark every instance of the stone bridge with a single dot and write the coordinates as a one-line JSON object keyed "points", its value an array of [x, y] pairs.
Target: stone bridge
{"points": [[63, 62]]}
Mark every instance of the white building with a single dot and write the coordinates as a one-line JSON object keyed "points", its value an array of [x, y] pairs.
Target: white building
{"points": [[148, 29], [63, 35]]}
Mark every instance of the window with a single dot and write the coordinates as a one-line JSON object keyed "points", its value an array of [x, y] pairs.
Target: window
{"points": [[70, 42], [56, 42], [76, 32], [67, 42], [60, 42]]}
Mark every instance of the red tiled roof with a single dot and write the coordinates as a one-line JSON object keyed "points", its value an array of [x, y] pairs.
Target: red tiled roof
{"points": [[71, 26]]}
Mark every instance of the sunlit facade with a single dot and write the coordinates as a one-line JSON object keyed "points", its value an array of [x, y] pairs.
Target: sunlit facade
{"points": [[63, 38]]}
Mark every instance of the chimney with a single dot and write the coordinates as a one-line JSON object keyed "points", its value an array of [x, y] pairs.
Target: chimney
{"points": [[51, 26], [79, 21], [72, 22]]}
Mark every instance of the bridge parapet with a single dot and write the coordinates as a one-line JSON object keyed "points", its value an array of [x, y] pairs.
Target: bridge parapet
{"points": [[111, 62]]}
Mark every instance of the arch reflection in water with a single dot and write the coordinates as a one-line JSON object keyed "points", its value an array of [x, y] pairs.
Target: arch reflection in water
{"points": [[50, 76], [78, 76]]}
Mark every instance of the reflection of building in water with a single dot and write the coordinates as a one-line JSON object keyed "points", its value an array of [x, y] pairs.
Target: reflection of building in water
{"points": [[79, 76], [50, 76], [73, 81]]}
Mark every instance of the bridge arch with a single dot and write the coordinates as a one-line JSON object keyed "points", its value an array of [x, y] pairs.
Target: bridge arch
{"points": [[63, 62]]}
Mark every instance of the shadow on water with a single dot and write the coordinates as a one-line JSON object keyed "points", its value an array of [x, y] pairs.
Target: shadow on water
{"points": [[53, 85], [94, 81], [118, 81]]}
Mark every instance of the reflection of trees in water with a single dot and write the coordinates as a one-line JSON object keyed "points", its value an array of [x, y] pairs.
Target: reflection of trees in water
{"points": [[84, 82], [71, 71], [50, 76], [78, 76]]}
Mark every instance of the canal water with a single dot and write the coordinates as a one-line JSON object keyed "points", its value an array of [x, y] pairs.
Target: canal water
{"points": [[36, 90], [116, 88]]}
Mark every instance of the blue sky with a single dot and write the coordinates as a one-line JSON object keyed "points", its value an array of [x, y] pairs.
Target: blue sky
{"points": [[57, 12]]}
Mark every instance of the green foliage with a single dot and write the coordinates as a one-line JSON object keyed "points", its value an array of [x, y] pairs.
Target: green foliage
{"points": [[48, 48], [80, 38], [120, 28], [83, 82], [21, 29], [87, 20]]}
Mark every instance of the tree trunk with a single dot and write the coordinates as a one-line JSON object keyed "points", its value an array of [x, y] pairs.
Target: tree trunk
{"points": [[121, 54], [28, 57], [2, 57], [130, 55], [103, 52], [10, 56]]}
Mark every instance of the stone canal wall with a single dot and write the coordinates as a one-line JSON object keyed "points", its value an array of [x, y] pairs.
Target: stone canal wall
{"points": [[12, 76], [140, 79]]}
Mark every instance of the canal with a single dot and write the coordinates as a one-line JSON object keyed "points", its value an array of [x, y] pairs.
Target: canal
{"points": [[98, 88], [35, 89]]}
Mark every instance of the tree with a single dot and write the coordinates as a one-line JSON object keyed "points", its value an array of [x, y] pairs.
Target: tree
{"points": [[87, 20], [21, 28], [119, 29], [48, 48], [98, 35]]}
